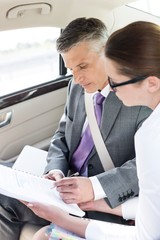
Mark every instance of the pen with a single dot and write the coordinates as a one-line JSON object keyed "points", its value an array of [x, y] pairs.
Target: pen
{"points": [[52, 187], [74, 174]]}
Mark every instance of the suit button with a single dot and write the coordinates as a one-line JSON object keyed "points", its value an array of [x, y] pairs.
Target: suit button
{"points": [[90, 166], [124, 197], [120, 199], [128, 195]]}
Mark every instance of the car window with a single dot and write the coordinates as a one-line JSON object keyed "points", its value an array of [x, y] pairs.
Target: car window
{"points": [[27, 57], [149, 6]]}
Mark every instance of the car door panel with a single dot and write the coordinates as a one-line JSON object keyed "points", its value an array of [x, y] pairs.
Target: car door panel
{"points": [[33, 122]]}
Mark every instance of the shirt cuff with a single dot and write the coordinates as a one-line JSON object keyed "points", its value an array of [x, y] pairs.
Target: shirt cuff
{"points": [[103, 230], [97, 188], [129, 208], [95, 230]]}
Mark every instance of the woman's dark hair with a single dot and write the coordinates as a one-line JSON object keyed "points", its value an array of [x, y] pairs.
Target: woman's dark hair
{"points": [[136, 49]]}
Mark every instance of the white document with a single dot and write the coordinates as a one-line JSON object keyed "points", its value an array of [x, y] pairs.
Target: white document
{"points": [[27, 187], [32, 160]]}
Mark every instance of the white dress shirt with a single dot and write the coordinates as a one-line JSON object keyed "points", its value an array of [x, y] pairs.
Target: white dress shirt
{"points": [[147, 144]]}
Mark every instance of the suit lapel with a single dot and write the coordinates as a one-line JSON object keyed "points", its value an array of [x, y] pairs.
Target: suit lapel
{"points": [[80, 116], [111, 109]]}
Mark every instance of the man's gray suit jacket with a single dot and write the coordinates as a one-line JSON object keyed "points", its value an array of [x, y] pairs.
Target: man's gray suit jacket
{"points": [[118, 127]]}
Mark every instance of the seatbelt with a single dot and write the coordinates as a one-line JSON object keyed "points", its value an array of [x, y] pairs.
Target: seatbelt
{"points": [[96, 134]]}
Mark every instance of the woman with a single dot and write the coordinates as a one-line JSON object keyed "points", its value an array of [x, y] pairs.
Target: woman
{"points": [[133, 68]]}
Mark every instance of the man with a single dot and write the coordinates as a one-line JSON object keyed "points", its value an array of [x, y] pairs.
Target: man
{"points": [[81, 45]]}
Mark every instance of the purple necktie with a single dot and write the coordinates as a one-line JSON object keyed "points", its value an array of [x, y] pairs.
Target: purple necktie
{"points": [[78, 161]]}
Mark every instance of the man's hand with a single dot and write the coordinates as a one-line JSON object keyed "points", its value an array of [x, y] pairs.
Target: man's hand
{"points": [[75, 189], [54, 175]]}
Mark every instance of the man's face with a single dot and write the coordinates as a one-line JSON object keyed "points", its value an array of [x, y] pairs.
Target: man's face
{"points": [[87, 67]]}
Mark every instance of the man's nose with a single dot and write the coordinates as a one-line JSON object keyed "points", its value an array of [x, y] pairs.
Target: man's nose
{"points": [[77, 77]]}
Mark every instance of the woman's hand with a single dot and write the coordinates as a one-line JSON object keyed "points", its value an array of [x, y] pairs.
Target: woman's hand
{"points": [[100, 206], [46, 211], [59, 217]]}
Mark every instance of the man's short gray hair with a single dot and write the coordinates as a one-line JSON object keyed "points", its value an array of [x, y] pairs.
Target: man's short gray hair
{"points": [[90, 30]]}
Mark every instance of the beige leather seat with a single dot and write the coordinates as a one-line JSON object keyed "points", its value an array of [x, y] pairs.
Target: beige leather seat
{"points": [[28, 231]]}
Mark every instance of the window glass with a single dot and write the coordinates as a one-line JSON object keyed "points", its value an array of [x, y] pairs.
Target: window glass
{"points": [[149, 6], [27, 57]]}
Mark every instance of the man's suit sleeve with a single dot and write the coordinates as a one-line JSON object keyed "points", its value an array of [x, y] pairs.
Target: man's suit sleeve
{"points": [[121, 183], [58, 151]]}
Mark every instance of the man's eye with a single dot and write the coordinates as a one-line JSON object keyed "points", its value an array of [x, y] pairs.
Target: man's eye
{"points": [[82, 66]]}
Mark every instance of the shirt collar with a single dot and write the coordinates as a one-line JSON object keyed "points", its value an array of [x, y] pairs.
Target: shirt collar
{"points": [[105, 91]]}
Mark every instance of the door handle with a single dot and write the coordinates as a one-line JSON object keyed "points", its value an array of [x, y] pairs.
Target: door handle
{"points": [[5, 118]]}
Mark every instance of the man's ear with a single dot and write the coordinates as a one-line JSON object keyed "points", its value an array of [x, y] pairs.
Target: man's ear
{"points": [[153, 84]]}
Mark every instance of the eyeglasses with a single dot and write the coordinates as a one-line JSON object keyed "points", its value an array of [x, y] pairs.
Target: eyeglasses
{"points": [[113, 85]]}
